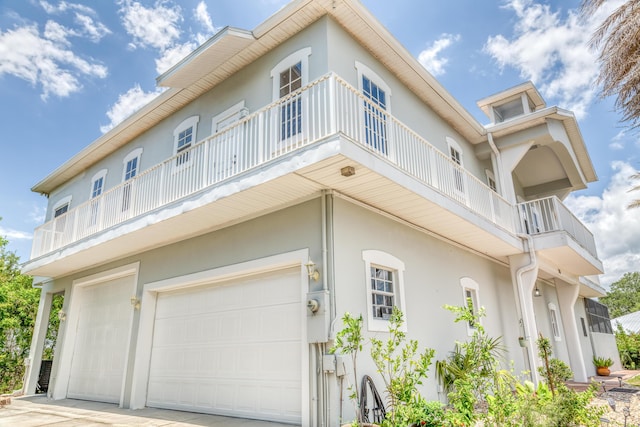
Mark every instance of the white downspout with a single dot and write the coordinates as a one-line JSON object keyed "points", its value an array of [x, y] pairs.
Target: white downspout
{"points": [[529, 334]]}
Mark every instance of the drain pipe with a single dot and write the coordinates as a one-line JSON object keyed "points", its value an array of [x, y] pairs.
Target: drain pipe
{"points": [[533, 262]]}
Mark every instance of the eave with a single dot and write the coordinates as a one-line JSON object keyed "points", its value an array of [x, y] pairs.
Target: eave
{"points": [[233, 49]]}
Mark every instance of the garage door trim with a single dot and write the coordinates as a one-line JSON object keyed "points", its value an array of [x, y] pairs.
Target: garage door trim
{"points": [[259, 266]]}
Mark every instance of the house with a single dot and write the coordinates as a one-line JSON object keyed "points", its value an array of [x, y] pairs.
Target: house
{"points": [[208, 246]]}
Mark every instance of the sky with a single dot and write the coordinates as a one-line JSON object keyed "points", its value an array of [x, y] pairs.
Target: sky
{"points": [[71, 70]]}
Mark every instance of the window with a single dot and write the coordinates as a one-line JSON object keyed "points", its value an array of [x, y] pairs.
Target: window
{"points": [[455, 154], [375, 108], [470, 290], [229, 146], [491, 180], [59, 211], [584, 327], [184, 136], [598, 316], [290, 75], [384, 275], [97, 186], [131, 165], [553, 318]]}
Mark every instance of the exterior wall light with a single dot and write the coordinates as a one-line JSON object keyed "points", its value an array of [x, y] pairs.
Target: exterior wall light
{"points": [[135, 302], [537, 292], [312, 271], [348, 171]]}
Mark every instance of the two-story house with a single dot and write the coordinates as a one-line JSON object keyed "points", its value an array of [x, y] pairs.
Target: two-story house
{"points": [[208, 246]]}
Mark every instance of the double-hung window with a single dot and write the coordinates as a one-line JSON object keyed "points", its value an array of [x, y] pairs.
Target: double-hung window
{"points": [[375, 108], [131, 165], [455, 154], [184, 137], [289, 76], [384, 277]]}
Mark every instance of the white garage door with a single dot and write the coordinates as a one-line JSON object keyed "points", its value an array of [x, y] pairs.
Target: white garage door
{"points": [[230, 349], [100, 350]]}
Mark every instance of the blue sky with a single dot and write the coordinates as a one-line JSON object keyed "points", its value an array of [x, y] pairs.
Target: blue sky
{"points": [[70, 70]]}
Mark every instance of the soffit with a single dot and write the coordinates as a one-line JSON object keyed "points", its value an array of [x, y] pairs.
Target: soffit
{"points": [[235, 49]]}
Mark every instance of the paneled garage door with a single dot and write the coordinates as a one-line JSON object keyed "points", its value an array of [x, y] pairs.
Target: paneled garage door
{"points": [[232, 348], [100, 349]]}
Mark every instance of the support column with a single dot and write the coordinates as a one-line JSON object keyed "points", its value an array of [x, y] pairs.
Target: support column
{"points": [[37, 340], [524, 273], [567, 298]]}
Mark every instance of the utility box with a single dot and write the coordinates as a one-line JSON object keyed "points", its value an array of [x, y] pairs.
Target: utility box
{"points": [[318, 317]]}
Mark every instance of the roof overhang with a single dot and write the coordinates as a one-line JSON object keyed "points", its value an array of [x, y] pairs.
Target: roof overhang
{"points": [[526, 87], [233, 49]]}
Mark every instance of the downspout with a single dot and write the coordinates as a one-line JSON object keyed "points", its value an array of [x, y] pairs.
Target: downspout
{"points": [[521, 295]]}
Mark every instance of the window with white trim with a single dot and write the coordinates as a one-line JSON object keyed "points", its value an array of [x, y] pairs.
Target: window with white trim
{"points": [[131, 165], [60, 219], [62, 206], [455, 154], [491, 180], [226, 163], [290, 75], [384, 276], [97, 187], [470, 294], [375, 109], [553, 318], [184, 136]]}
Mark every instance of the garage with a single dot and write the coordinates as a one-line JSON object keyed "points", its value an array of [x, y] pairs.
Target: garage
{"points": [[101, 340], [230, 348]]}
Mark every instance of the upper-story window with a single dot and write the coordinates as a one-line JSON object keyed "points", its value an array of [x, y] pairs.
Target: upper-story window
{"points": [[455, 154], [385, 287], [491, 180], [97, 187], [184, 136], [62, 206], [376, 108], [470, 293], [131, 165], [288, 76]]}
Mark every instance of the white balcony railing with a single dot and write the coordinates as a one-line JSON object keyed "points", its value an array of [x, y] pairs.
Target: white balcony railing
{"points": [[550, 214], [326, 107]]}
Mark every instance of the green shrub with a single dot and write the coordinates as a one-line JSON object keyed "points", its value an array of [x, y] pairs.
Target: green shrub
{"points": [[628, 347]]}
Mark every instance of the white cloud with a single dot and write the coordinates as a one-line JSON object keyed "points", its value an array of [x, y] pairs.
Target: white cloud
{"points": [[202, 16], [430, 59], [64, 6], [616, 228], [11, 234], [47, 60], [127, 104], [94, 30], [617, 142], [172, 56], [552, 51], [155, 27]]}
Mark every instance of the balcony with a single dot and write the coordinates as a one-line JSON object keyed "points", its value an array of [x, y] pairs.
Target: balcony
{"points": [[326, 114], [560, 236]]}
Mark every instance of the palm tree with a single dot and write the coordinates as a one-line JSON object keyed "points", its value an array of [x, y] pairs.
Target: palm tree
{"points": [[636, 202], [618, 41]]}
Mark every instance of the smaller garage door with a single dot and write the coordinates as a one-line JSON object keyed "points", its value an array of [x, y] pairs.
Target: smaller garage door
{"points": [[230, 349], [100, 350]]}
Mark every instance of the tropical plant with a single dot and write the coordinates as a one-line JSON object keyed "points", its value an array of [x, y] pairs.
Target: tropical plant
{"points": [[349, 341], [402, 367], [616, 40], [555, 371], [602, 362]]}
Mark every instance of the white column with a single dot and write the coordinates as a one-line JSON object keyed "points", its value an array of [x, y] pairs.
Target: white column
{"points": [[567, 298], [524, 272], [37, 341]]}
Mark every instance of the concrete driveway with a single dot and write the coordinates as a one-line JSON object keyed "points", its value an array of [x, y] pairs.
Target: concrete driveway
{"points": [[32, 411]]}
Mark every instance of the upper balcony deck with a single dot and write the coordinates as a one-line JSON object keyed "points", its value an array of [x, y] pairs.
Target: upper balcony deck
{"points": [[280, 154]]}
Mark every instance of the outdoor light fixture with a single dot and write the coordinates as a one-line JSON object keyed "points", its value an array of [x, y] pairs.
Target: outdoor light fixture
{"points": [[537, 292], [348, 171], [135, 302], [312, 271], [62, 315]]}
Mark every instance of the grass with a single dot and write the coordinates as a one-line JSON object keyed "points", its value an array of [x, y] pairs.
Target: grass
{"points": [[634, 380]]}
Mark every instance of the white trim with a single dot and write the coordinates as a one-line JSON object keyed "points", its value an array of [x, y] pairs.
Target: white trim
{"points": [[67, 349], [140, 374], [100, 174], [185, 124], [382, 259], [363, 70], [301, 56], [491, 177], [467, 283], [60, 203], [237, 109], [132, 155], [453, 143]]}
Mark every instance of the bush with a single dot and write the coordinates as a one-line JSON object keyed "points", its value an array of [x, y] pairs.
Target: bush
{"points": [[628, 347]]}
